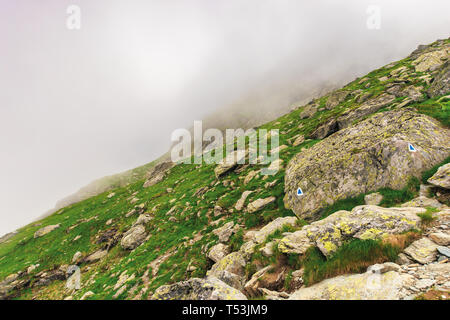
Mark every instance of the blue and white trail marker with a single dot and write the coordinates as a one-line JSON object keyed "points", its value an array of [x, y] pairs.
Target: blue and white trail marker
{"points": [[299, 192], [411, 148]]}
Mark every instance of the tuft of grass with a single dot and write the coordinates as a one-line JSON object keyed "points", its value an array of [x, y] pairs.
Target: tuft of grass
{"points": [[427, 217], [353, 257], [345, 204]]}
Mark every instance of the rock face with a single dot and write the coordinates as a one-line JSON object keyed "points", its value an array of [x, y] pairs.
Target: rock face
{"points": [[370, 155], [259, 204], [366, 286], [363, 222], [442, 177], [45, 230], [133, 237], [198, 289]]}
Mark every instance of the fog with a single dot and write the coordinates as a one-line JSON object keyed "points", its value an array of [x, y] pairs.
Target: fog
{"points": [[76, 105]]}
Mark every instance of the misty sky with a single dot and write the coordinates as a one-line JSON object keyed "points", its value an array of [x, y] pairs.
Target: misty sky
{"points": [[76, 105]]}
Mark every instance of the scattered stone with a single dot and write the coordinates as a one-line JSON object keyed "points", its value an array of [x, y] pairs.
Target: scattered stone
{"points": [[444, 251], [230, 162], [373, 199], [241, 202], [298, 141], [96, 256], [363, 222], [87, 295], [77, 257], [133, 237], [422, 251], [423, 202], [440, 238], [45, 230]]}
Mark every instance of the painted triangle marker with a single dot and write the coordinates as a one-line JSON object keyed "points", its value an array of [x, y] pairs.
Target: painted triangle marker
{"points": [[299, 192], [411, 148]]}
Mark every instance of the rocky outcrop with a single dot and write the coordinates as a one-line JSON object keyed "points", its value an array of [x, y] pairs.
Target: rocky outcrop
{"points": [[442, 177], [370, 155], [226, 231], [218, 252], [45, 230], [363, 222], [441, 83], [241, 202], [366, 286], [198, 289], [423, 202]]}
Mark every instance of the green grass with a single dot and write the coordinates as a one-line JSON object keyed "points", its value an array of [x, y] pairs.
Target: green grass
{"points": [[353, 257]]}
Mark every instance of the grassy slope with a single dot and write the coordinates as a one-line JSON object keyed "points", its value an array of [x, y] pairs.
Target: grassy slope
{"points": [[193, 213]]}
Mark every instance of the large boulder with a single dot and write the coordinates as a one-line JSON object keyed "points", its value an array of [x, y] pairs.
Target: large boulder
{"points": [[133, 237], [442, 177], [365, 286], [370, 155], [363, 222], [432, 59], [198, 289], [45, 230]]}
